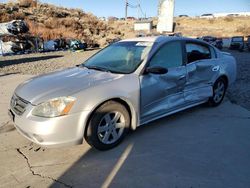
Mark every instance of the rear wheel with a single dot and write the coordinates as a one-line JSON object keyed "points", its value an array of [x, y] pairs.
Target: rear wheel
{"points": [[108, 126], [219, 90]]}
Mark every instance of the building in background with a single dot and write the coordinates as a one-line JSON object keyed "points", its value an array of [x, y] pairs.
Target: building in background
{"points": [[143, 25]]}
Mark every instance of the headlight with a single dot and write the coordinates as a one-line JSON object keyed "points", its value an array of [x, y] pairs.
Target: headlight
{"points": [[54, 107]]}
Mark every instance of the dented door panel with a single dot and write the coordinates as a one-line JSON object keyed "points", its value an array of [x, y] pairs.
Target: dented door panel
{"points": [[200, 76], [161, 93]]}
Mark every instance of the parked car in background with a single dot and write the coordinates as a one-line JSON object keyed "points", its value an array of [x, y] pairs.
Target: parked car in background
{"points": [[248, 43], [217, 42], [233, 15], [49, 45], [183, 16], [127, 84], [237, 43], [75, 45], [208, 16], [209, 39]]}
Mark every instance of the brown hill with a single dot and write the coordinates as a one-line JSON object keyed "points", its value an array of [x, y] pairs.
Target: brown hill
{"points": [[220, 27], [51, 22]]}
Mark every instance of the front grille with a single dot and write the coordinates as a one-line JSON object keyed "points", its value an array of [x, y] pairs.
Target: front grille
{"points": [[18, 105]]}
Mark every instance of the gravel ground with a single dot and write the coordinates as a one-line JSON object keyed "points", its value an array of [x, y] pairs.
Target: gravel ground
{"points": [[34, 64], [39, 63], [239, 92]]}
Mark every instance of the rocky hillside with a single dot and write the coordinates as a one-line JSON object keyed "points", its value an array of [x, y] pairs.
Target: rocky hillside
{"points": [[220, 27], [51, 22]]}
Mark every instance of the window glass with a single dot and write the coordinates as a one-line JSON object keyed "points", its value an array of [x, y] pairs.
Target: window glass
{"points": [[121, 57], [197, 52], [170, 55]]}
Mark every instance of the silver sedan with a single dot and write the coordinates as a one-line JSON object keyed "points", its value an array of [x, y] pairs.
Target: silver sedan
{"points": [[123, 86]]}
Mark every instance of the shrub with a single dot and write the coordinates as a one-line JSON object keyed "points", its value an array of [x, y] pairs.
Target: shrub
{"points": [[211, 21], [245, 30], [229, 19]]}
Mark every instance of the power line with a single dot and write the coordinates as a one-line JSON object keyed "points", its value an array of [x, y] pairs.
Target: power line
{"points": [[138, 6]]}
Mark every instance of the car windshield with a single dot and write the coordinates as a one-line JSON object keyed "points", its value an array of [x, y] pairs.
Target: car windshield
{"points": [[121, 57]]}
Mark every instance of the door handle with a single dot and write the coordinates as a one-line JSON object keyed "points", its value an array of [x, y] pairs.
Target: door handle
{"points": [[216, 68]]}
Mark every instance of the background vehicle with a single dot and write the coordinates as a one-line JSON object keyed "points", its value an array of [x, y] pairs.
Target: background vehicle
{"points": [[125, 85], [237, 43], [248, 43], [183, 16], [217, 42], [208, 16]]}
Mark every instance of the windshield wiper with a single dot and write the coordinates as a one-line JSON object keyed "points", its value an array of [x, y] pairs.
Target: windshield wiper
{"points": [[97, 68], [100, 69]]}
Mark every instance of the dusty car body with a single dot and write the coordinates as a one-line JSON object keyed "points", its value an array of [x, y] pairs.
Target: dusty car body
{"points": [[217, 42], [169, 74]]}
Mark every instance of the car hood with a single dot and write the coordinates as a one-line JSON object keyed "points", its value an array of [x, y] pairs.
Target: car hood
{"points": [[62, 83]]}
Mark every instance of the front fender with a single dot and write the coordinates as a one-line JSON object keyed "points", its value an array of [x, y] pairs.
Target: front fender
{"points": [[126, 88]]}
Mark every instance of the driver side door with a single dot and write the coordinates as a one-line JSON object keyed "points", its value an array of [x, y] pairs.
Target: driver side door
{"points": [[162, 93]]}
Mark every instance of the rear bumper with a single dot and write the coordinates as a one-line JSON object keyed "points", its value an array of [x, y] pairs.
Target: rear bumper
{"points": [[52, 132]]}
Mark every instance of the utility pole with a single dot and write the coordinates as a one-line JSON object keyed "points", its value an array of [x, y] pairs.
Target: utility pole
{"points": [[126, 9]]}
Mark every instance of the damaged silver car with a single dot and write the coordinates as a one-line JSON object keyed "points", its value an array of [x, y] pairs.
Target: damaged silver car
{"points": [[123, 86]]}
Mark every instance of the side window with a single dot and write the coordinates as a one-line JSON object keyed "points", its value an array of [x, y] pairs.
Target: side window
{"points": [[170, 55], [197, 52]]}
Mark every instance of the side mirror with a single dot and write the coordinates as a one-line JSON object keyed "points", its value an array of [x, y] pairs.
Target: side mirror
{"points": [[156, 70]]}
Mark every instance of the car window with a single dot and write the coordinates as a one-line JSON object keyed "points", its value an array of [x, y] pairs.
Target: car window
{"points": [[197, 52], [121, 57], [170, 55]]}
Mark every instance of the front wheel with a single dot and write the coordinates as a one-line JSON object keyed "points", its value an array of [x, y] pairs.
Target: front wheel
{"points": [[219, 90], [108, 126]]}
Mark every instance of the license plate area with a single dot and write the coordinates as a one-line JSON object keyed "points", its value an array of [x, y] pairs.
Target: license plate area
{"points": [[12, 115]]}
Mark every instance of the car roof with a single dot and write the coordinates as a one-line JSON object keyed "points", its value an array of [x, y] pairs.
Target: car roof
{"points": [[139, 39], [159, 39]]}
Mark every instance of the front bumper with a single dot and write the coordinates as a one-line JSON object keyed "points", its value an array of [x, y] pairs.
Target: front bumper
{"points": [[51, 132]]}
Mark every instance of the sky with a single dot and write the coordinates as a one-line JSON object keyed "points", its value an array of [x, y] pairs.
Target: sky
{"points": [[105, 8]]}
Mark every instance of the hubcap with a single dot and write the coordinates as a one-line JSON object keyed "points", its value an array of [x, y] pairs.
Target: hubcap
{"points": [[219, 91], [111, 127]]}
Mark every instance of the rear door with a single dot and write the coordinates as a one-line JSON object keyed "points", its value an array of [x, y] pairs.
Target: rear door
{"points": [[163, 93], [201, 67]]}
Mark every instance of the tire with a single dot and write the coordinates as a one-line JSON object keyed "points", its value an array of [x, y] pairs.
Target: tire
{"points": [[108, 126], [219, 90]]}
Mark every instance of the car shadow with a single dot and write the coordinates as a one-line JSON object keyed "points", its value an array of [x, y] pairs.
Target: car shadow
{"points": [[5, 63], [154, 149]]}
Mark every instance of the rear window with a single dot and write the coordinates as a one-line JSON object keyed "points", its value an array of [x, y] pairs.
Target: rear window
{"points": [[197, 52]]}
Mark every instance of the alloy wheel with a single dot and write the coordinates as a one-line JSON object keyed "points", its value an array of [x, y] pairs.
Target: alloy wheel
{"points": [[219, 91], [111, 127]]}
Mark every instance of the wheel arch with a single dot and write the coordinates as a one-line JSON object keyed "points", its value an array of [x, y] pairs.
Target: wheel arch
{"points": [[132, 112], [224, 77]]}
